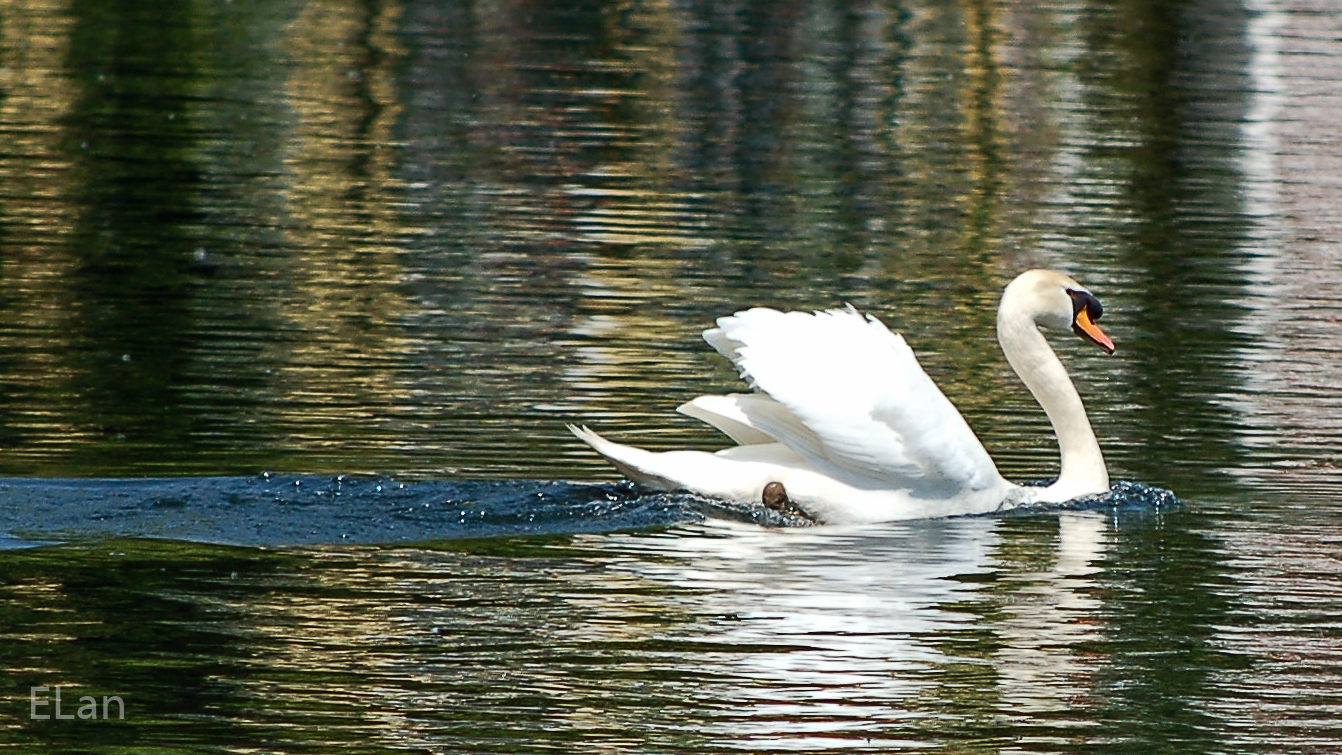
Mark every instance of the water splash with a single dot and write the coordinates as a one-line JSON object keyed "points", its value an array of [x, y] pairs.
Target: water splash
{"points": [[1122, 496], [284, 511], [272, 510]]}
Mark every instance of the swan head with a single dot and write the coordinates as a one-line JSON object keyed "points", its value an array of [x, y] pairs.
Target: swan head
{"points": [[1053, 300]]}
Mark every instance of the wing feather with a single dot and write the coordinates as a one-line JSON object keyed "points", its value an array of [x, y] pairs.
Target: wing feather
{"points": [[738, 415], [857, 402]]}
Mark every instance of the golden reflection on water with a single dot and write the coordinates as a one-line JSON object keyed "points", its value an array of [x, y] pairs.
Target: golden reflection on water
{"points": [[344, 337], [421, 237], [722, 633], [38, 170]]}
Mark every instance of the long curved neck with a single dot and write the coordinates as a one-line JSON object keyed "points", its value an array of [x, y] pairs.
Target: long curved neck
{"points": [[1083, 468]]}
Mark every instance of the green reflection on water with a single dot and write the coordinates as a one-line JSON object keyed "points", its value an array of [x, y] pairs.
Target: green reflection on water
{"points": [[419, 239], [677, 642], [140, 620]]}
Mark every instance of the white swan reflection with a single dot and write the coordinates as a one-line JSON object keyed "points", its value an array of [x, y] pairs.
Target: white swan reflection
{"points": [[859, 632]]}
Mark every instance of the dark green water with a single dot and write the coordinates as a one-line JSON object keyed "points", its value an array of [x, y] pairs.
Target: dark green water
{"points": [[407, 241]]}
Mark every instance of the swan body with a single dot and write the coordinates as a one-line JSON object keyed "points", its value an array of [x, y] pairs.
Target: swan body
{"points": [[845, 419]]}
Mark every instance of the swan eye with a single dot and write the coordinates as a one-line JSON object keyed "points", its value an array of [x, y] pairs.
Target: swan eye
{"points": [[1083, 301]]}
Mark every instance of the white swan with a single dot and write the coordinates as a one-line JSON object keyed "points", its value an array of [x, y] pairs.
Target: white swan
{"points": [[844, 417]]}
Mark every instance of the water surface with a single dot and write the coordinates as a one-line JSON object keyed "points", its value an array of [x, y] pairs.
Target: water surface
{"points": [[358, 244]]}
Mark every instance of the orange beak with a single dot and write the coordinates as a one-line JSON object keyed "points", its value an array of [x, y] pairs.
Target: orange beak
{"points": [[1084, 327]]}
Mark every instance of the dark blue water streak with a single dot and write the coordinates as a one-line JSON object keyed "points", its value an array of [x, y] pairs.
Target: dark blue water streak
{"points": [[282, 511], [285, 511]]}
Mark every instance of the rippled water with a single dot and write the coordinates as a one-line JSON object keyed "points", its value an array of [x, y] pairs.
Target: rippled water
{"points": [[296, 299]]}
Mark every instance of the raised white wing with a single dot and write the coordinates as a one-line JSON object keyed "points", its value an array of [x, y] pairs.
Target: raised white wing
{"points": [[849, 396], [740, 415]]}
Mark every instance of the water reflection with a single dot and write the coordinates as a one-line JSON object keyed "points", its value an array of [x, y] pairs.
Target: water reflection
{"points": [[419, 236], [936, 634], [874, 636], [695, 639], [926, 634], [1278, 590], [1291, 311]]}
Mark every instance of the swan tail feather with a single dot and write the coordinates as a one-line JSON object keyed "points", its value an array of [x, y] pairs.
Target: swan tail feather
{"points": [[637, 465]]}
